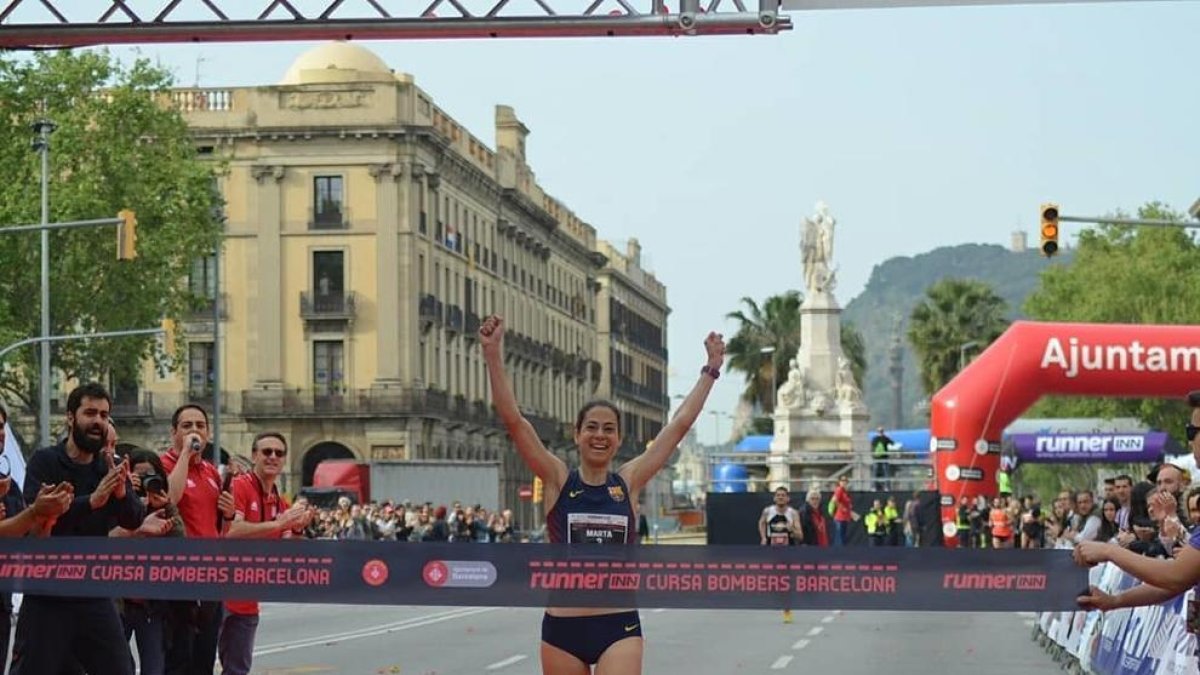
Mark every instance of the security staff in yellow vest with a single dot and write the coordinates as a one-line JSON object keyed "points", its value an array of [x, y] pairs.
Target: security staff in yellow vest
{"points": [[876, 522], [895, 526]]}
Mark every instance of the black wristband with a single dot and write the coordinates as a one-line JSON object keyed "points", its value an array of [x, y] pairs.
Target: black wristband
{"points": [[714, 373]]}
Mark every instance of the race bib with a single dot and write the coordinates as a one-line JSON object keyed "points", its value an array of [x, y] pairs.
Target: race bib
{"points": [[779, 539], [596, 528]]}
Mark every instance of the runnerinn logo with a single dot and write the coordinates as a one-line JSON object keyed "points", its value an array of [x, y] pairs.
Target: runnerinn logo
{"points": [[1088, 444], [993, 581], [1074, 358]]}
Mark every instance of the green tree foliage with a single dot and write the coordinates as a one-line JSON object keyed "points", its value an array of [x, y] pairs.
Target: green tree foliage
{"points": [[898, 284], [117, 145], [776, 323], [954, 313], [1121, 274]]}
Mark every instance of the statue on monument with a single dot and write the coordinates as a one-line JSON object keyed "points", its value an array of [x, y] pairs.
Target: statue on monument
{"points": [[847, 388], [791, 395], [816, 246]]}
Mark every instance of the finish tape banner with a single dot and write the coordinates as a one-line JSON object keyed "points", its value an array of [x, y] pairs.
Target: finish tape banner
{"points": [[536, 575]]}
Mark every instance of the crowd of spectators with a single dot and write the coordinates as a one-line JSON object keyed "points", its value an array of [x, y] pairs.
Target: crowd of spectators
{"points": [[404, 521], [1151, 517]]}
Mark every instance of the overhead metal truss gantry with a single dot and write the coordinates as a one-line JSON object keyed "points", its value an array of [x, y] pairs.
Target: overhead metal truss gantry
{"points": [[33, 24], [50, 24]]}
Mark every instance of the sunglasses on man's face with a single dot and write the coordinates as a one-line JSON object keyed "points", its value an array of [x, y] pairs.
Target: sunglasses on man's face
{"points": [[272, 452], [1191, 431]]}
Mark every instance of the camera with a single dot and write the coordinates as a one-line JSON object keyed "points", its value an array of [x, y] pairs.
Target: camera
{"points": [[153, 482]]}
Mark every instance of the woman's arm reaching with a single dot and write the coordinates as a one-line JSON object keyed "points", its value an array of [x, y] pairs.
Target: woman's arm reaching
{"points": [[541, 461]]}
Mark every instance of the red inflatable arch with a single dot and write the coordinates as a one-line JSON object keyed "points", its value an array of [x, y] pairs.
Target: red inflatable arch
{"points": [[1030, 360]]}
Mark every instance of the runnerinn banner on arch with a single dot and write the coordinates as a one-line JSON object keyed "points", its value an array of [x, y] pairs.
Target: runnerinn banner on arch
{"points": [[535, 575], [1068, 448]]}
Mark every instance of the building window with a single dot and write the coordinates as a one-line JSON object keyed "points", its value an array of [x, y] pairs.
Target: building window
{"points": [[329, 367], [329, 281], [327, 202], [201, 373], [202, 280]]}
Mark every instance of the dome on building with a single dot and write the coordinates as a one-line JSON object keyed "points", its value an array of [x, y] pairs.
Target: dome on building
{"points": [[338, 62]]}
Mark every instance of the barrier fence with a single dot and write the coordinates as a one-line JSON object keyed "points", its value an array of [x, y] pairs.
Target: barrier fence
{"points": [[1149, 640], [394, 573]]}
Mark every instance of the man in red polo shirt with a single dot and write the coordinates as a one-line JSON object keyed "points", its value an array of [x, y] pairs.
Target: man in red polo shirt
{"points": [[259, 513], [194, 486]]}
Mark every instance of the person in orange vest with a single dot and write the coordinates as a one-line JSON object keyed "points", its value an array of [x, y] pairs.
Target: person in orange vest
{"points": [[1002, 530]]}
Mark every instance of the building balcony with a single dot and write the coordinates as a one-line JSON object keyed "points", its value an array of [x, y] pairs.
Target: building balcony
{"points": [[623, 386], [471, 327], [430, 311], [327, 307], [454, 318], [204, 308], [332, 217], [132, 405], [365, 403]]}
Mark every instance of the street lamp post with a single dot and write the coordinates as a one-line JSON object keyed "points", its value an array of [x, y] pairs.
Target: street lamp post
{"points": [[43, 128], [774, 384]]}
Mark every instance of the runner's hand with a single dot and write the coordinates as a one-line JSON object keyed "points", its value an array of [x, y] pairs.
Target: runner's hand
{"points": [[491, 332]]}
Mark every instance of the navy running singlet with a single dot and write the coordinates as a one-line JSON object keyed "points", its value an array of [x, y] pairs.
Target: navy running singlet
{"points": [[596, 514]]}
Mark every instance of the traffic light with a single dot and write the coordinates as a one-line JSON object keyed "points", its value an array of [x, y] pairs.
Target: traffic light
{"points": [[537, 490], [126, 235], [1049, 229]]}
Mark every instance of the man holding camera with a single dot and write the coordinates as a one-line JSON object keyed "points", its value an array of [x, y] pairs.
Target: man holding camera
{"points": [[55, 633], [260, 512], [194, 487]]}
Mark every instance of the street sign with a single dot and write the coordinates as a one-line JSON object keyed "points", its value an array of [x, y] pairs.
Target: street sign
{"points": [[525, 492]]}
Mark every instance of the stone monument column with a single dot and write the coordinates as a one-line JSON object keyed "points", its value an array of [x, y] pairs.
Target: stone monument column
{"points": [[820, 420]]}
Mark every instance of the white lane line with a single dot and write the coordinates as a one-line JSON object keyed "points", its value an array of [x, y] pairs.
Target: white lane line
{"points": [[800, 644], [828, 619], [658, 611], [1027, 615], [815, 631], [507, 662], [371, 631], [781, 662]]}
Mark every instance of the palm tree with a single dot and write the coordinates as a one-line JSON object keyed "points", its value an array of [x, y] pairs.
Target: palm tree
{"points": [[956, 314], [776, 324]]}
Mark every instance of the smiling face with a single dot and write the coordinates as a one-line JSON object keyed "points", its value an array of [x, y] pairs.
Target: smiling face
{"points": [[268, 454], [598, 435]]}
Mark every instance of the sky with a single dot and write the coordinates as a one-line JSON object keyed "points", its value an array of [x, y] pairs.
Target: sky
{"points": [[919, 127]]}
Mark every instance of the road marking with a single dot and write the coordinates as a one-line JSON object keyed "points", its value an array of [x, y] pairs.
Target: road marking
{"points": [[815, 631], [659, 610], [800, 644], [371, 631], [828, 619], [1027, 615], [507, 662], [781, 662]]}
